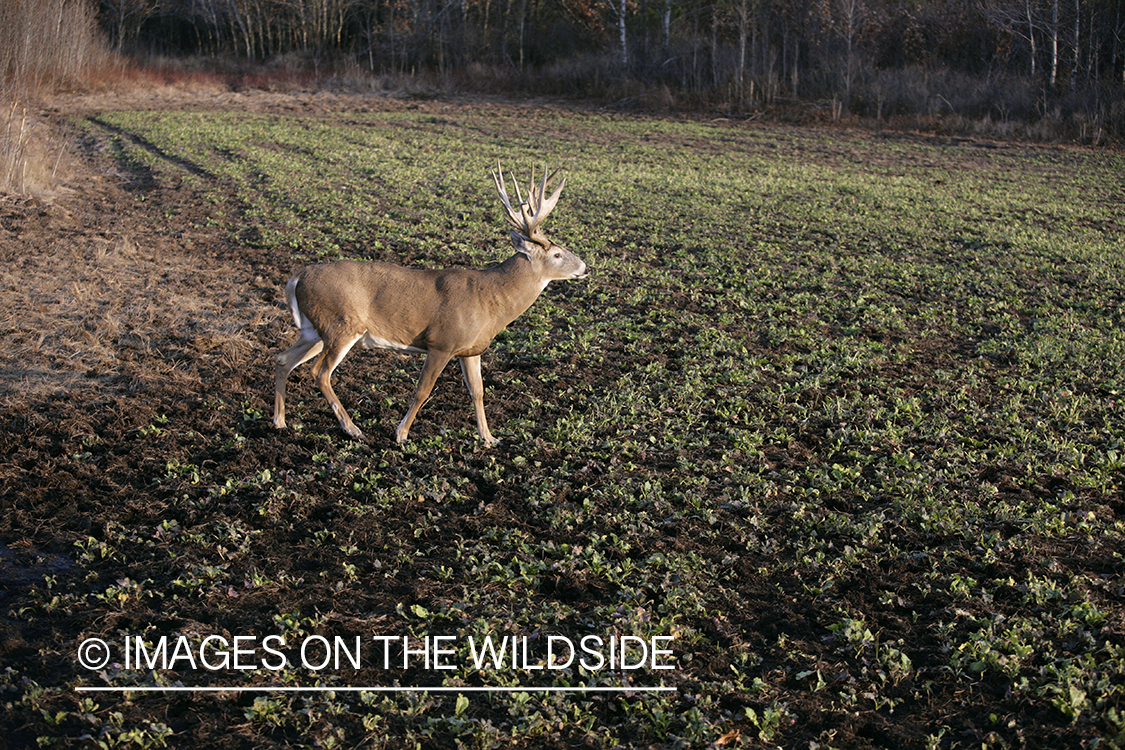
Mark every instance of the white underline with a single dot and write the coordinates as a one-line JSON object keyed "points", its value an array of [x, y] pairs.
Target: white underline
{"points": [[349, 689]]}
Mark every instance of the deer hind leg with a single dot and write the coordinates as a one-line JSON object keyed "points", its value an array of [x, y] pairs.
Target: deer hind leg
{"points": [[435, 361], [306, 347], [333, 355], [470, 368]]}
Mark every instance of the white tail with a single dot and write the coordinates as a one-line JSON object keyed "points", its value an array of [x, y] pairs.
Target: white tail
{"points": [[443, 313]]}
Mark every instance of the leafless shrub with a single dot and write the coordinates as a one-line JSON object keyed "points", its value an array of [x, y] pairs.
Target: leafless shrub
{"points": [[49, 44], [45, 45], [999, 105]]}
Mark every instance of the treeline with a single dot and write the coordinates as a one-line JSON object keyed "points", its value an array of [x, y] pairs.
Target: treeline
{"points": [[995, 58]]}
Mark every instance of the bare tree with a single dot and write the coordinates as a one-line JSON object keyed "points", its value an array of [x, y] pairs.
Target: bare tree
{"points": [[320, 23], [1053, 29], [1020, 19], [124, 18], [621, 34], [1077, 44], [743, 31], [844, 19]]}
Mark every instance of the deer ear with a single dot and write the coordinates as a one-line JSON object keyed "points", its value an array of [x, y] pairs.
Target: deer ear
{"points": [[522, 244]]}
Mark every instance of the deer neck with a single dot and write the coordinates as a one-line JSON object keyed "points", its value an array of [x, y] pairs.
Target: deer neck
{"points": [[516, 285]]}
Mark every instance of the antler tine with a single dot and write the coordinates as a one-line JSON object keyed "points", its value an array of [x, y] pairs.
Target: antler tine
{"points": [[515, 218], [538, 206], [534, 195], [547, 206], [535, 209]]}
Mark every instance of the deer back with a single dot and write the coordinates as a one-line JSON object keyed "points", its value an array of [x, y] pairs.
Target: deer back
{"points": [[458, 311]]}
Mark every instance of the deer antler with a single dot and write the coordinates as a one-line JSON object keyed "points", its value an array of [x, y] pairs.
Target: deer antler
{"points": [[535, 209]]}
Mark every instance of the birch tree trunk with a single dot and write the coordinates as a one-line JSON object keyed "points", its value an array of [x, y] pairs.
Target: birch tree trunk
{"points": [[1054, 41], [621, 31], [1077, 45], [743, 11]]}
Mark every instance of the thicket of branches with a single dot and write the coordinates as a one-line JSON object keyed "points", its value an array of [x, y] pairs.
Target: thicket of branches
{"points": [[1003, 59], [44, 45], [47, 44]]}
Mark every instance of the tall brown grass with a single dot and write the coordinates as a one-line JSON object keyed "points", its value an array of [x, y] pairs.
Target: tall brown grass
{"points": [[45, 46], [29, 156], [49, 44]]}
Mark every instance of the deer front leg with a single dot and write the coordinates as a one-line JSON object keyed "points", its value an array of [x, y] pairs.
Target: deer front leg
{"points": [[470, 368], [435, 361]]}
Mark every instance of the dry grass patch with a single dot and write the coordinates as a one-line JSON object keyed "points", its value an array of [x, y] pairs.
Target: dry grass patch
{"points": [[115, 310], [30, 158]]}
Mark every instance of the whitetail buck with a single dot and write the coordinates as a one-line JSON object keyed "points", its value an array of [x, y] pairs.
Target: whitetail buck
{"points": [[443, 313]]}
